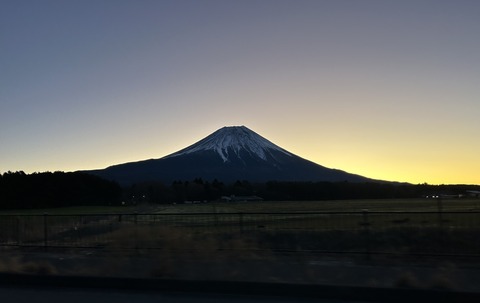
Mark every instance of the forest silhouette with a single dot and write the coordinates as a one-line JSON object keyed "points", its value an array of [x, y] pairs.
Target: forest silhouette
{"points": [[19, 190]]}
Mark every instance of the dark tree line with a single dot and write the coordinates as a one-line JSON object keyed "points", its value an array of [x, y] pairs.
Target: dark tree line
{"points": [[42, 190], [178, 191], [200, 190]]}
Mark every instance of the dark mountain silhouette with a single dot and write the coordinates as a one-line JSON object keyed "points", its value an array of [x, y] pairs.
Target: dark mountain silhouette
{"points": [[228, 154]]}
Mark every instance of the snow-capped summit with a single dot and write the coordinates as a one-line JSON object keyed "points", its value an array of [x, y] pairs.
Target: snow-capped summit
{"points": [[232, 141], [229, 154]]}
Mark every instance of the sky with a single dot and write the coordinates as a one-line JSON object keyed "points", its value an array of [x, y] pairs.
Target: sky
{"points": [[386, 89]]}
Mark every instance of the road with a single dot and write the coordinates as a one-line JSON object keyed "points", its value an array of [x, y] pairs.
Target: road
{"points": [[19, 288], [79, 295]]}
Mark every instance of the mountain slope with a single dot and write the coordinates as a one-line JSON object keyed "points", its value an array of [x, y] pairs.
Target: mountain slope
{"points": [[228, 154], [235, 139]]}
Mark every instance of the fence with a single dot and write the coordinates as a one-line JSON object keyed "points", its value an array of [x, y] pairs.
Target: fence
{"points": [[436, 233]]}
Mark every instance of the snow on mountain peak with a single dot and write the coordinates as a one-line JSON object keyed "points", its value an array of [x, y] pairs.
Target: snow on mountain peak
{"points": [[233, 139]]}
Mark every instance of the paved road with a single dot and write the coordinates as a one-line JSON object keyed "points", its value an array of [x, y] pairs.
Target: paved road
{"points": [[17, 288], [75, 295]]}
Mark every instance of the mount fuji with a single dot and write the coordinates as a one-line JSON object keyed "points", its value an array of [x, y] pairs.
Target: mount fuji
{"points": [[229, 154]]}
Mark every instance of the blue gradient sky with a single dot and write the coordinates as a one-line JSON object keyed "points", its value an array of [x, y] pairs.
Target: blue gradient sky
{"points": [[386, 89]]}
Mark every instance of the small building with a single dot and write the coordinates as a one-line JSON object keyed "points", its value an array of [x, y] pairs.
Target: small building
{"points": [[473, 193], [234, 198]]}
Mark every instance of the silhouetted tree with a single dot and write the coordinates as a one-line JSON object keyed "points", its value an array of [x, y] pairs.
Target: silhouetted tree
{"points": [[58, 189]]}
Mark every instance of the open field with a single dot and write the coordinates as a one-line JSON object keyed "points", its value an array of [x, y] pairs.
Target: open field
{"points": [[329, 205], [463, 204], [71, 210], [357, 226], [285, 241]]}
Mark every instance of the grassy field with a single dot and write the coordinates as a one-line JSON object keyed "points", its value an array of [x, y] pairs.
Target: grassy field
{"points": [[372, 205], [270, 217], [72, 210], [326, 206], [178, 234]]}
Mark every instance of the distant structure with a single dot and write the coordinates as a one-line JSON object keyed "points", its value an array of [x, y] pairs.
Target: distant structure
{"points": [[234, 198], [474, 193]]}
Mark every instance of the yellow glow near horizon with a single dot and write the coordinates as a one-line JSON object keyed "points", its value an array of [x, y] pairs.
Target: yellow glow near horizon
{"points": [[385, 89]]}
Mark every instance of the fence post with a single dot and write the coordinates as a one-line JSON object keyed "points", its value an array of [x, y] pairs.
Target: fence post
{"points": [[440, 212], [240, 218], [215, 216], [18, 231], [366, 228], [135, 220], [45, 230]]}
